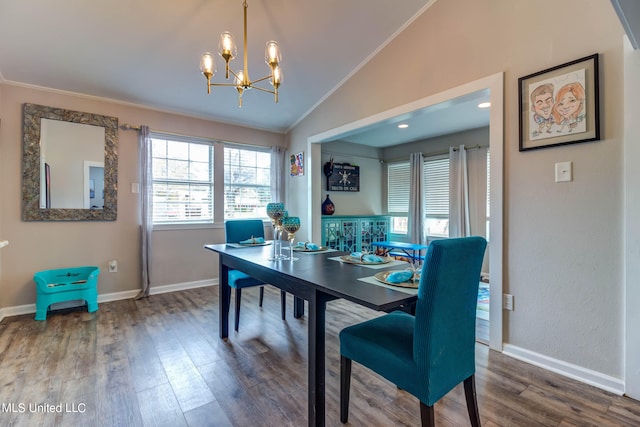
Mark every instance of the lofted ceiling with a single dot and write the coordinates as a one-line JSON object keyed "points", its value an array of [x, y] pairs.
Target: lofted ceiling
{"points": [[147, 53]]}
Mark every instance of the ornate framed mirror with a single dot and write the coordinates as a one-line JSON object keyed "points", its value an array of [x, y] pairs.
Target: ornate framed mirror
{"points": [[69, 165]]}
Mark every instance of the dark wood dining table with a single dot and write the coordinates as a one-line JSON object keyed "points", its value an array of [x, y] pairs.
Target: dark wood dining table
{"points": [[317, 279]]}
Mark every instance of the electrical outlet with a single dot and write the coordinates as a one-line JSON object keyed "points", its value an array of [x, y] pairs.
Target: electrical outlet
{"points": [[507, 302], [113, 266]]}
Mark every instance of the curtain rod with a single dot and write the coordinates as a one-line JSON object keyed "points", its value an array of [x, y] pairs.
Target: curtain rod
{"points": [[352, 155], [439, 153], [127, 126]]}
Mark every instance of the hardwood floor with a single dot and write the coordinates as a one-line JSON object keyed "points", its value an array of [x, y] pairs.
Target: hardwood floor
{"points": [[159, 361]]}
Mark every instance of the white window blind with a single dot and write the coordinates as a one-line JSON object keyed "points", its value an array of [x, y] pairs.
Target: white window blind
{"points": [[436, 196], [398, 187], [247, 181], [182, 180], [436, 187]]}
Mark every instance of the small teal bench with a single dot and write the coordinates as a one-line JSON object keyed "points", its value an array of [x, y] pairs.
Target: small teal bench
{"points": [[67, 284]]}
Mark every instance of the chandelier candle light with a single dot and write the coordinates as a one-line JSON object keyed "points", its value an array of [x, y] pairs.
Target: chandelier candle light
{"points": [[227, 50]]}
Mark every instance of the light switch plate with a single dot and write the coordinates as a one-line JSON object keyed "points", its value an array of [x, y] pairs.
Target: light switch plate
{"points": [[564, 172]]}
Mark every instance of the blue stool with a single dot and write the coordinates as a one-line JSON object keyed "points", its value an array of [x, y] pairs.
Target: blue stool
{"points": [[68, 284]]}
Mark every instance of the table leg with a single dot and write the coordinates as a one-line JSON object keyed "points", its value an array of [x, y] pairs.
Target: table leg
{"points": [[298, 307], [224, 292], [317, 306]]}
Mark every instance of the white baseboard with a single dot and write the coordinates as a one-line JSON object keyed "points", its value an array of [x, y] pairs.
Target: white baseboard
{"points": [[113, 296], [181, 286], [594, 378]]}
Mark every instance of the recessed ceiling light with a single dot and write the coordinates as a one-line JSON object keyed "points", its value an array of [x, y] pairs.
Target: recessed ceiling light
{"points": [[484, 105], [403, 126]]}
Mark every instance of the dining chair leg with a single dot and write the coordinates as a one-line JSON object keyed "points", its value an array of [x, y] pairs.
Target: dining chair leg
{"points": [[238, 297], [427, 416], [261, 295], [345, 385], [283, 304], [472, 401]]}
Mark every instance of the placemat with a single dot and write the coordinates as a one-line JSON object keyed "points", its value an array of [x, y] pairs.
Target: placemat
{"points": [[374, 266], [238, 245], [374, 281], [315, 252]]}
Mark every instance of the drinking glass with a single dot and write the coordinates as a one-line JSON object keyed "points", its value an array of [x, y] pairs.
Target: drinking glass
{"points": [[291, 225], [276, 211]]}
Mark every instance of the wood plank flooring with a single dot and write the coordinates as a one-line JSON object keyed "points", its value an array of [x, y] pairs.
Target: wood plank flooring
{"points": [[159, 362]]}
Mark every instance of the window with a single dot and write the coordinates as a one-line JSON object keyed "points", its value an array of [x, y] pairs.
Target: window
{"points": [[247, 182], [398, 196], [182, 180], [436, 196]]}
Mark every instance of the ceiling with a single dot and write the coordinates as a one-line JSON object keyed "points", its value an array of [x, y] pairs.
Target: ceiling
{"points": [[147, 53], [451, 116]]}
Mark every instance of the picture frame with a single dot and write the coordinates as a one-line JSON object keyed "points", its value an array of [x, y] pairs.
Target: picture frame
{"points": [[560, 105], [297, 164], [344, 177]]}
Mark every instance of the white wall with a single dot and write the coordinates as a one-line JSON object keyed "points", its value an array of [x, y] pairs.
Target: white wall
{"points": [[632, 213], [3, 177], [563, 260], [367, 201], [178, 255]]}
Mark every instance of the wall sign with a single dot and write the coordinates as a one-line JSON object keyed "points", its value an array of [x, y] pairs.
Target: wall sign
{"points": [[345, 177]]}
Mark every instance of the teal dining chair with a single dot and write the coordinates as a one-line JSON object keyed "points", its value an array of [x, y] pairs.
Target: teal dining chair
{"points": [[430, 353], [237, 230]]}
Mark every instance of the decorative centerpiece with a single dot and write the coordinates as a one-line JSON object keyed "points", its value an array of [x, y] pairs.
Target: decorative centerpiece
{"points": [[291, 225], [276, 211]]}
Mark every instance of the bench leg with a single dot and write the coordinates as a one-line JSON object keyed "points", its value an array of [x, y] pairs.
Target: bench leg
{"points": [[41, 314], [92, 300], [92, 306], [42, 305]]}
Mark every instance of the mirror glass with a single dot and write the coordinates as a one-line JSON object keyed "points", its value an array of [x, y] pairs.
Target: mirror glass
{"points": [[69, 165]]}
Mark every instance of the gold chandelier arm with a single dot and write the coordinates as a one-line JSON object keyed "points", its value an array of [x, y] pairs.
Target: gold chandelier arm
{"points": [[260, 79], [246, 65], [263, 89], [223, 84], [234, 75]]}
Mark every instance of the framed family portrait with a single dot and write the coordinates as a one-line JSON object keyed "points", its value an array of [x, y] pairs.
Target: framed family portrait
{"points": [[560, 105]]}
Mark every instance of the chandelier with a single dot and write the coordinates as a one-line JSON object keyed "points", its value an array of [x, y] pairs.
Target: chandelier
{"points": [[227, 50]]}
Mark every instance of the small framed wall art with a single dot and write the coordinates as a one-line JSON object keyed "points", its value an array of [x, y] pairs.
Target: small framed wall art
{"points": [[560, 105], [297, 164]]}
